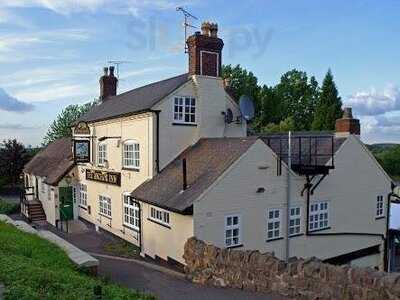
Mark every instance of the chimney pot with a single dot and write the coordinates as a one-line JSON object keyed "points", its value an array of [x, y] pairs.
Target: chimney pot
{"points": [[108, 84], [112, 71], [206, 28], [347, 113]]}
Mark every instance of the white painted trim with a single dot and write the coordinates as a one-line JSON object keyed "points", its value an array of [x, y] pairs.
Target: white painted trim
{"points": [[201, 61], [129, 206], [232, 227], [161, 210], [273, 220], [318, 202], [183, 112]]}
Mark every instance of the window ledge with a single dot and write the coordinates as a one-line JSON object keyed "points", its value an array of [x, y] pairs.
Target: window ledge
{"points": [[378, 218], [296, 235], [130, 169], [317, 230], [159, 223], [275, 239], [235, 246], [184, 124], [82, 207], [130, 228], [105, 216]]}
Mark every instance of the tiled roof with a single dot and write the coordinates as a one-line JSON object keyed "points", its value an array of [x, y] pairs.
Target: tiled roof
{"points": [[53, 162], [206, 161], [209, 158], [137, 100]]}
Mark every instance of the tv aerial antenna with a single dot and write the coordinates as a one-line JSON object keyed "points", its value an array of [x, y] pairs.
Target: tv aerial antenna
{"points": [[117, 63], [186, 23]]}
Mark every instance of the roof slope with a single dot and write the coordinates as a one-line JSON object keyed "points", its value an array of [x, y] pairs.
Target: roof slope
{"points": [[205, 162], [53, 162], [136, 100]]}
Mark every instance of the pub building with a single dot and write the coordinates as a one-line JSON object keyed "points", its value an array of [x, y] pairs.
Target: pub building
{"points": [[170, 160]]}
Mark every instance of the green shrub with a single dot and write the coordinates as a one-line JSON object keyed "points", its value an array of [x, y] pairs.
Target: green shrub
{"points": [[33, 268], [8, 207]]}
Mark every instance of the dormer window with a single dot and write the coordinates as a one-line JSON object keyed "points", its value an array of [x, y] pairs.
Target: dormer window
{"points": [[185, 110], [131, 155], [101, 154]]}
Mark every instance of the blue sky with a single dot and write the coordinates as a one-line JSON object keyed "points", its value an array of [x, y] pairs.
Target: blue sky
{"points": [[52, 52]]}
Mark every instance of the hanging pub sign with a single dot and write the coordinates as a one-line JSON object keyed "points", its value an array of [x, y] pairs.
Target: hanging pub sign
{"points": [[82, 128], [104, 176], [82, 151]]}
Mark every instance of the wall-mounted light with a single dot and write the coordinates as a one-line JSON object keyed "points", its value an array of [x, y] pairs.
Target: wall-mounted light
{"points": [[260, 190]]}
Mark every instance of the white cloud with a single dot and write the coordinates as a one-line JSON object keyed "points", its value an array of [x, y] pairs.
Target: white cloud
{"points": [[59, 6], [113, 6], [375, 103], [56, 91], [11, 42]]}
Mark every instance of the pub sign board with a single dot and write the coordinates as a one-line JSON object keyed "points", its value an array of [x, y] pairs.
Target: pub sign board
{"points": [[104, 176], [82, 151]]}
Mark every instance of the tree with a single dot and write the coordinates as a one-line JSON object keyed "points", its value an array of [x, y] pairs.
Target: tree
{"points": [[283, 126], [329, 107], [241, 83], [299, 97], [389, 158], [61, 127], [13, 157]]}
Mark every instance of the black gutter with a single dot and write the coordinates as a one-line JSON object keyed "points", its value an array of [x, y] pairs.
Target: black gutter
{"points": [[186, 211], [157, 112]]}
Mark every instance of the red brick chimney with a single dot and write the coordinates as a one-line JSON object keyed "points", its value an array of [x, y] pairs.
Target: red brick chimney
{"points": [[108, 84], [347, 124], [205, 51]]}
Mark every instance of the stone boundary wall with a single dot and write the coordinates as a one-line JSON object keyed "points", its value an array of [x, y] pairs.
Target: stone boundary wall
{"points": [[300, 278]]}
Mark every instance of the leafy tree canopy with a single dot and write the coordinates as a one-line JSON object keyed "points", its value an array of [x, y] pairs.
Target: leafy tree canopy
{"points": [[329, 107], [293, 100], [13, 157], [61, 127]]}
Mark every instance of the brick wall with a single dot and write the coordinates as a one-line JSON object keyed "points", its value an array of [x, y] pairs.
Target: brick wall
{"points": [[300, 279]]}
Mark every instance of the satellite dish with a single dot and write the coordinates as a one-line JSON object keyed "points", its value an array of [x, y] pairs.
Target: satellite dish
{"points": [[246, 107], [228, 116]]}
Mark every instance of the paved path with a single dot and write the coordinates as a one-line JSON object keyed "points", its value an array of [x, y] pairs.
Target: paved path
{"points": [[146, 277], [167, 287]]}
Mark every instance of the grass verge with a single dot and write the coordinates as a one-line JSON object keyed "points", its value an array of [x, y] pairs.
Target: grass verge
{"points": [[33, 268]]}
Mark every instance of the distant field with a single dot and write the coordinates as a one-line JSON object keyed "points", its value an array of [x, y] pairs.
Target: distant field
{"points": [[32, 268]]}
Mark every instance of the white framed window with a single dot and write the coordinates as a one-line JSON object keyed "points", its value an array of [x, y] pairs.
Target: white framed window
{"points": [[131, 212], [274, 222], [159, 215], [101, 153], [319, 216], [185, 110], [83, 195], [380, 211], [294, 221], [131, 155], [232, 231], [105, 206]]}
